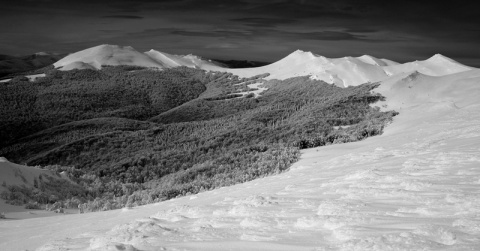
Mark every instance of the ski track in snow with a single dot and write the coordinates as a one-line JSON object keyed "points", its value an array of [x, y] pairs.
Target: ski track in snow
{"points": [[410, 190]]}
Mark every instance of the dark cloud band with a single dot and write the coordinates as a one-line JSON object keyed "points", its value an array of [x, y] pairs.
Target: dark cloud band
{"points": [[123, 17]]}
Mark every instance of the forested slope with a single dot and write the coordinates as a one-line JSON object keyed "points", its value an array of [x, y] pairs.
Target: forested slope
{"points": [[134, 136]]}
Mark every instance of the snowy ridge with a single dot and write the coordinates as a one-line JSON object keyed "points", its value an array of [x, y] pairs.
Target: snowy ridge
{"points": [[95, 57], [191, 61], [349, 71], [342, 72], [437, 65], [416, 187]]}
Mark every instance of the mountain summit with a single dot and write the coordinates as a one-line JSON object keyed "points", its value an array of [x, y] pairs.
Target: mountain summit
{"points": [[95, 57], [106, 54]]}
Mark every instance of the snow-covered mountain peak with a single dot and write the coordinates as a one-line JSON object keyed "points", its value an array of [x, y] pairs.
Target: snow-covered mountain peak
{"points": [[440, 58], [300, 55], [106, 54], [437, 65]]}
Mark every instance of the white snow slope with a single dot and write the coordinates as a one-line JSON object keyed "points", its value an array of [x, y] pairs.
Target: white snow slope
{"points": [[416, 187], [95, 57], [13, 174], [349, 71]]}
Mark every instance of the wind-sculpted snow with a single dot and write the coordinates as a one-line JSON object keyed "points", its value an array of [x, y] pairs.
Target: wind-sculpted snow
{"points": [[416, 187]]}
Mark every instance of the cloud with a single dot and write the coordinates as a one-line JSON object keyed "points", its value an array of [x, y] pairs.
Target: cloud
{"points": [[272, 33], [328, 35], [262, 22], [222, 46], [123, 16], [214, 33], [251, 34], [361, 30]]}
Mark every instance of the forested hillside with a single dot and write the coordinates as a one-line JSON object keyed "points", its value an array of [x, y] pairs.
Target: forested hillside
{"points": [[132, 136], [66, 96]]}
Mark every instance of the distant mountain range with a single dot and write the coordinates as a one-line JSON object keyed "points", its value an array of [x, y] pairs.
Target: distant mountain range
{"points": [[342, 72], [348, 71], [12, 64]]}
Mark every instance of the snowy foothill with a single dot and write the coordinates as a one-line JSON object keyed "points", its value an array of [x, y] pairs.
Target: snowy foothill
{"points": [[415, 187]]}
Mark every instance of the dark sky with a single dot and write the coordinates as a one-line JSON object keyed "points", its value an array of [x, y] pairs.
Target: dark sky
{"points": [[247, 29]]}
